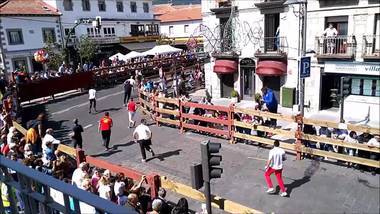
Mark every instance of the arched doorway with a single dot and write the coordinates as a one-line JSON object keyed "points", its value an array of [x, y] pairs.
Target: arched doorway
{"points": [[247, 78]]}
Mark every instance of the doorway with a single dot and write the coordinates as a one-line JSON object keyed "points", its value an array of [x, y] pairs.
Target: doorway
{"points": [[247, 79], [227, 83]]}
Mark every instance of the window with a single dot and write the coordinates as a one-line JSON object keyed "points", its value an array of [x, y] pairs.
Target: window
{"points": [[86, 5], [109, 31], [102, 5], [340, 23], [93, 32], [133, 7], [171, 30], [67, 31], [146, 7], [365, 86], [15, 37], [186, 28], [48, 33], [68, 5], [137, 30], [20, 64], [152, 30], [119, 6]]}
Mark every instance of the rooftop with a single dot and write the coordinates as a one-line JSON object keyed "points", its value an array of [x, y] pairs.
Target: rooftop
{"points": [[27, 8], [175, 13]]}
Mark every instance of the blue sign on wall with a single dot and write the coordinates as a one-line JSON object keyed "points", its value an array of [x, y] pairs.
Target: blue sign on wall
{"points": [[305, 67]]}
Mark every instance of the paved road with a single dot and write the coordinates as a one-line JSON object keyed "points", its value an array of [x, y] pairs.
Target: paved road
{"points": [[314, 187]]}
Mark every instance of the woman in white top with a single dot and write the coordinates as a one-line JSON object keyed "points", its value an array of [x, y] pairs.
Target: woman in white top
{"points": [[104, 188]]}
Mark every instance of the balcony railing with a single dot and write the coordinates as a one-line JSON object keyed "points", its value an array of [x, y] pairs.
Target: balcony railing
{"points": [[371, 47], [340, 47], [105, 40], [272, 47]]}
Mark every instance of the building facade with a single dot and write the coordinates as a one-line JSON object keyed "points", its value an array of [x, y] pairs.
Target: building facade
{"points": [[256, 43], [126, 25], [180, 24], [24, 29]]}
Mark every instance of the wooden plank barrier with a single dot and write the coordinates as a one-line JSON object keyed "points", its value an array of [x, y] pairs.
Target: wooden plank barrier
{"points": [[218, 202], [216, 126]]}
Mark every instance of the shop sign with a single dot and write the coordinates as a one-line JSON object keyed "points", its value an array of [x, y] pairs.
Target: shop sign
{"points": [[360, 68]]}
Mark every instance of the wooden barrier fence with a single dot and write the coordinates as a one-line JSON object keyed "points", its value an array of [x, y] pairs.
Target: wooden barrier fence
{"points": [[154, 181], [226, 126]]}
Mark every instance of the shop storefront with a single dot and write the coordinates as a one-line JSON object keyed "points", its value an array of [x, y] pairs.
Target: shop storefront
{"points": [[226, 69], [364, 81]]}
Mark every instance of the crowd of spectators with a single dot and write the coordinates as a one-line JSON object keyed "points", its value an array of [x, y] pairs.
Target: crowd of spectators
{"points": [[38, 150]]}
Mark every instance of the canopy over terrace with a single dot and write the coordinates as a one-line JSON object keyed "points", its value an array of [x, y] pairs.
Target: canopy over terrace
{"points": [[162, 49], [134, 54], [119, 55]]}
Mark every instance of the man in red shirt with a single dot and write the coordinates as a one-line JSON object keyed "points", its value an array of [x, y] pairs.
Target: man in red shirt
{"points": [[131, 113], [105, 125]]}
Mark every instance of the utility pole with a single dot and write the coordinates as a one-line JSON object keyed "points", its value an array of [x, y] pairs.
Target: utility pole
{"points": [[303, 52], [303, 14]]}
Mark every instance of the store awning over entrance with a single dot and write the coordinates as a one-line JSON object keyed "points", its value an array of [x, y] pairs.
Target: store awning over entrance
{"points": [[271, 68], [223, 66]]}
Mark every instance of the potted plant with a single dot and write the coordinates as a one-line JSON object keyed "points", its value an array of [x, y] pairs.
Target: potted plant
{"points": [[235, 96]]}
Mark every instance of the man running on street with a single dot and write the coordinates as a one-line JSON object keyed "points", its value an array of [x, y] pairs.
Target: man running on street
{"points": [[143, 136], [77, 134], [128, 85], [131, 113], [92, 98], [275, 165], [105, 125]]}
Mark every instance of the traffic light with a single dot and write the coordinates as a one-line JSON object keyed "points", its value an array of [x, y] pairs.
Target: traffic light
{"points": [[211, 161], [98, 22], [346, 86]]}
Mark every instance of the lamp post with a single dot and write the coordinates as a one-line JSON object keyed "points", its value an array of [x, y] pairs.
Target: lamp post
{"points": [[303, 15], [77, 23]]}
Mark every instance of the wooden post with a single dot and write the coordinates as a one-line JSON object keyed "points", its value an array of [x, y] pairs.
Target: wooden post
{"points": [[181, 120], [154, 183], [231, 120], [80, 156], [298, 135]]}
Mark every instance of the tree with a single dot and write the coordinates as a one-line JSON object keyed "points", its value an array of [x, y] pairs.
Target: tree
{"points": [[55, 57], [87, 49]]}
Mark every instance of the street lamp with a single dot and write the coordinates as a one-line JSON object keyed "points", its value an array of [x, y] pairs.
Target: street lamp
{"points": [[303, 16]]}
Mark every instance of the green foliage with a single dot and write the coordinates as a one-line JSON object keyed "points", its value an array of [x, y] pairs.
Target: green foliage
{"points": [[234, 93], [56, 57], [87, 49]]}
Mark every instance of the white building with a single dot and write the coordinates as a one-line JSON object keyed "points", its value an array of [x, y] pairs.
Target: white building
{"points": [[24, 28], [179, 23], [125, 23], [247, 52]]}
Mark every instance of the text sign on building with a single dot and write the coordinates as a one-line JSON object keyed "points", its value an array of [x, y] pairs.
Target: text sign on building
{"points": [[356, 68], [305, 67]]}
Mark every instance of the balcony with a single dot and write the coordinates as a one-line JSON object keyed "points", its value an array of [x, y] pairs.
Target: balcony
{"points": [[105, 40], [338, 47], [272, 48], [135, 39], [222, 7], [371, 47]]}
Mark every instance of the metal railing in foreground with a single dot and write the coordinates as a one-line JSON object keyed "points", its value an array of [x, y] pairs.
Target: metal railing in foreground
{"points": [[37, 189]]}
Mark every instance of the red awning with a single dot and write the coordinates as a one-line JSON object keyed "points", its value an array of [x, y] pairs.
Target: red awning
{"points": [[223, 66], [271, 68]]}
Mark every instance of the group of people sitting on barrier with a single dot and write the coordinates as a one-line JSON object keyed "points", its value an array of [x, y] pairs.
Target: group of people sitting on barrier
{"points": [[38, 150]]}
